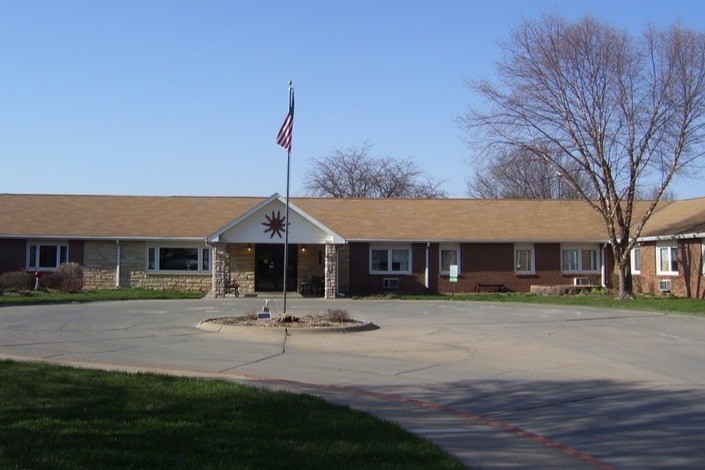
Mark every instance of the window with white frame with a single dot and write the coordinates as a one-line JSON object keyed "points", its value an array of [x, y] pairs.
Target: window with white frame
{"points": [[667, 259], [580, 259], [393, 259], [636, 260], [524, 259], [178, 259], [46, 255], [449, 255]]}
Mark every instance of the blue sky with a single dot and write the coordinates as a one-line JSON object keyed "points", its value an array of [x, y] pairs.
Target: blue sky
{"points": [[186, 97]]}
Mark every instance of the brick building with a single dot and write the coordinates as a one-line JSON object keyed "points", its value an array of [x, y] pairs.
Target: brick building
{"points": [[357, 246]]}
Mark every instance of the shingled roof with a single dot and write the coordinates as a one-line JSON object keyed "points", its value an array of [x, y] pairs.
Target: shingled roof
{"points": [[682, 218], [136, 217], [457, 219], [158, 217]]}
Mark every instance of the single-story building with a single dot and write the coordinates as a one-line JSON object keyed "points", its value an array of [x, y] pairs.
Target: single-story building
{"points": [[357, 246]]}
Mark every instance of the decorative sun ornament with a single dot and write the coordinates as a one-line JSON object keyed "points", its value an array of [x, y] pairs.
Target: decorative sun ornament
{"points": [[275, 224]]}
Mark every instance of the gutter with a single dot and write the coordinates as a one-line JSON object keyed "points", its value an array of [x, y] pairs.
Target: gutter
{"points": [[104, 238], [460, 240], [685, 236]]}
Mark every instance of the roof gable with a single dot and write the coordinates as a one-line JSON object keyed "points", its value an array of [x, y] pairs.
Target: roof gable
{"points": [[265, 223]]}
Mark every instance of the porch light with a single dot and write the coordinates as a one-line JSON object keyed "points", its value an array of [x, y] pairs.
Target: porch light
{"points": [[249, 247], [303, 248]]}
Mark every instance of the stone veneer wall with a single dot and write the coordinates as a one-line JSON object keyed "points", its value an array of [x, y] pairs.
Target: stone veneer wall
{"points": [[242, 266], [310, 263], [100, 268], [331, 271], [99, 264]]}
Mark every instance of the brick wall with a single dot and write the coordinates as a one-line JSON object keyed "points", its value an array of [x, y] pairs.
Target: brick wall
{"points": [[480, 263], [13, 254], [688, 283], [344, 269]]}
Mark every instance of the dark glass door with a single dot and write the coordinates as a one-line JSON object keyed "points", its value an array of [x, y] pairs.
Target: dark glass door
{"points": [[269, 268]]}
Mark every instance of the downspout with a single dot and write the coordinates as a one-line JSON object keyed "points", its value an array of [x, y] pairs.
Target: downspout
{"points": [[603, 271], [117, 264], [427, 274], [337, 273]]}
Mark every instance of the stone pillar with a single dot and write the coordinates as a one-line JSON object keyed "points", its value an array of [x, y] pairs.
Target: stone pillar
{"points": [[331, 271], [220, 264]]}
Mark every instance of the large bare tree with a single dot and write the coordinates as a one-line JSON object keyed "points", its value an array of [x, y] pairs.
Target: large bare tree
{"points": [[627, 111], [353, 172], [520, 175]]}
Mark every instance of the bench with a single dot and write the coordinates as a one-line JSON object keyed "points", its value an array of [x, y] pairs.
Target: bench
{"points": [[314, 286], [489, 288], [232, 287]]}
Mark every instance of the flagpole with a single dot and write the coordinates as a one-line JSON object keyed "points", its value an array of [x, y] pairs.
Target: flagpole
{"points": [[286, 216]]}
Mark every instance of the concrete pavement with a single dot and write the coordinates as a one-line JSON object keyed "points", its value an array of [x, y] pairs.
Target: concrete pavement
{"points": [[499, 386]]}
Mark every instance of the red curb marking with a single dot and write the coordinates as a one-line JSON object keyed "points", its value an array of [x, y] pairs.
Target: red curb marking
{"points": [[587, 458]]}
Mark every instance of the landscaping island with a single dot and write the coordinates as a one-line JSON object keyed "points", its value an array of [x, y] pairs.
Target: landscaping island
{"points": [[334, 320]]}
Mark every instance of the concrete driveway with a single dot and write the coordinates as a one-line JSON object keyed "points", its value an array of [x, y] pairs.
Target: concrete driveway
{"points": [[499, 386]]}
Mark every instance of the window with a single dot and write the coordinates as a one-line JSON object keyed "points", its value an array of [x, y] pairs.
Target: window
{"points": [[393, 259], [167, 258], [524, 259], [450, 254], [580, 259], [636, 260], [667, 259], [47, 255]]}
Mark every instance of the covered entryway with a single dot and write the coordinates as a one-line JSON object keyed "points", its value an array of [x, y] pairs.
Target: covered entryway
{"points": [[269, 267], [250, 251]]}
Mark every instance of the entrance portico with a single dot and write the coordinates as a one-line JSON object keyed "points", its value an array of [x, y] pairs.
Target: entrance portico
{"points": [[250, 250]]}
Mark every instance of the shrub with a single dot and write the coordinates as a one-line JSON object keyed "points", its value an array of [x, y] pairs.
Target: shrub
{"points": [[16, 281], [67, 279], [338, 315]]}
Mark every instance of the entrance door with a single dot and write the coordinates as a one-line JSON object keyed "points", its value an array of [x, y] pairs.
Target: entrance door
{"points": [[269, 268]]}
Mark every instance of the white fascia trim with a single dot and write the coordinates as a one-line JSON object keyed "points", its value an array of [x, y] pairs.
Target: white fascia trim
{"points": [[215, 236], [455, 240], [658, 238], [104, 238]]}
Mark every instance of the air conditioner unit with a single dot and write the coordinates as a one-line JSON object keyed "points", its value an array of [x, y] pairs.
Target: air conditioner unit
{"points": [[664, 285], [581, 281], [390, 283]]}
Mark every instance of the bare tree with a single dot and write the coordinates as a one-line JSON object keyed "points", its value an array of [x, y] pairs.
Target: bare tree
{"points": [[520, 175], [353, 173], [627, 112]]}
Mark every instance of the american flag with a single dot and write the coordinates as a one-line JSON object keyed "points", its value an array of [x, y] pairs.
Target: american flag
{"points": [[284, 136]]}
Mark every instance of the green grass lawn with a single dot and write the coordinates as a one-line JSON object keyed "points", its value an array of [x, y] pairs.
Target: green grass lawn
{"points": [[41, 297], [59, 417], [665, 304]]}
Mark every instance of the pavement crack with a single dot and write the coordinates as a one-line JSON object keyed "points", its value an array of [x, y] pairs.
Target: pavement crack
{"points": [[417, 369], [262, 359]]}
